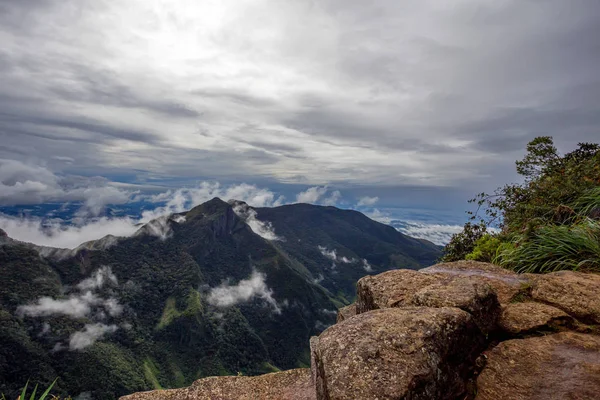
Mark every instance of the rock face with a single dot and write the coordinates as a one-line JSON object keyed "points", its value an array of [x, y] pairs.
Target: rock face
{"points": [[289, 385], [467, 293], [574, 292], [560, 366], [421, 335], [390, 289], [346, 312], [522, 318], [506, 284], [415, 352]]}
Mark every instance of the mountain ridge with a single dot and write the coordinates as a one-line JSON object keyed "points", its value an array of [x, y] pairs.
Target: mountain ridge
{"points": [[197, 293]]}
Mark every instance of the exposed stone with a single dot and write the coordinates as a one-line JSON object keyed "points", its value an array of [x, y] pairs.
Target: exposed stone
{"points": [[521, 318], [576, 293], [390, 289], [397, 353], [289, 385], [469, 293], [346, 312], [507, 284], [555, 367]]}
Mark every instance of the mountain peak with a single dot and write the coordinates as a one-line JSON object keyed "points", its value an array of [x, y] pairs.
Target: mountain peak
{"points": [[213, 206]]}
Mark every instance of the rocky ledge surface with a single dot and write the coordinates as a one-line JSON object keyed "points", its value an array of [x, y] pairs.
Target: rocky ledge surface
{"points": [[463, 330]]}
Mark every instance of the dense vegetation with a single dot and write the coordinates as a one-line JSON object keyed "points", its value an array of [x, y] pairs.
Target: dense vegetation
{"points": [[168, 334], [549, 222]]}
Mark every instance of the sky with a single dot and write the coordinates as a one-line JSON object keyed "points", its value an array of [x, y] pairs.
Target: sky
{"points": [[417, 104]]}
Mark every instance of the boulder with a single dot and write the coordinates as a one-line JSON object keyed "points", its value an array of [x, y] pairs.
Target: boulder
{"points": [[576, 293], [346, 312], [397, 353], [507, 284], [561, 366], [469, 293], [523, 318], [390, 289], [289, 385]]}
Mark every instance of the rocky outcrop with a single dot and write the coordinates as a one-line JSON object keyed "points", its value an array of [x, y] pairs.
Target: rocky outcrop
{"points": [[415, 352], [507, 284], [555, 367], [470, 294], [346, 312], [451, 331], [390, 289], [289, 385], [573, 292], [523, 318]]}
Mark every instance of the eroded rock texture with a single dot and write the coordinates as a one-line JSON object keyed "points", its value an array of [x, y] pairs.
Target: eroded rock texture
{"points": [[398, 353], [289, 385], [574, 292], [523, 318], [554, 367]]}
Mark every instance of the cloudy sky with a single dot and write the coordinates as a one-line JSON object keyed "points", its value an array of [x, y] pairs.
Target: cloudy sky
{"points": [[417, 103]]}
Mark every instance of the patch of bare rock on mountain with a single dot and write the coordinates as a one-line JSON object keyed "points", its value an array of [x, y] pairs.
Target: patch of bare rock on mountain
{"points": [[453, 331]]}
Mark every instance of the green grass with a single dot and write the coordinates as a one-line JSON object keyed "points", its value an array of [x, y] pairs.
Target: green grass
{"points": [[150, 373], [555, 247], [23, 395]]}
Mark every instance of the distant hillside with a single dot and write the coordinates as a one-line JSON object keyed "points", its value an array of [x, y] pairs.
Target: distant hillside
{"points": [[222, 289]]}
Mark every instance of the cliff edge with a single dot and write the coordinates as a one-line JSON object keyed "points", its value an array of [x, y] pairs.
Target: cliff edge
{"points": [[461, 330]]}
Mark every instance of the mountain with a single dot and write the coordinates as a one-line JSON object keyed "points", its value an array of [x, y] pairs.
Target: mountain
{"points": [[221, 289]]}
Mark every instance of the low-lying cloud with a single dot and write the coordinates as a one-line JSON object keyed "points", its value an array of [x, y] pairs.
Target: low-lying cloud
{"points": [[249, 215], [227, 295], [333, 256], [55, 233], [437, 233], [85, 304], [89, 335], [98, 279], [367, 201]]}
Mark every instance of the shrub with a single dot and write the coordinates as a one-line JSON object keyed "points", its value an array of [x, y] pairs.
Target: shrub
{"points": [[550, 221], [552, 248], [463, 243], [485, 248]]}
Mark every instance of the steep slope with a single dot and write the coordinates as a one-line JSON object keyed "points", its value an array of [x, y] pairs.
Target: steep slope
{"points": [[195, 294], [313, 233]]}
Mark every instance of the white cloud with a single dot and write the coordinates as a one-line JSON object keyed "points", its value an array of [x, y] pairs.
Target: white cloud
{"points": [[183, 199], [333, 256], [366, 266], [379, 216], [367, 201], [89, 335], [78, 305], [53, 233], [22, 183], [100, 277], [262, 228], [245, 290], [333, 199], [75, 306], [311, 195]]}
